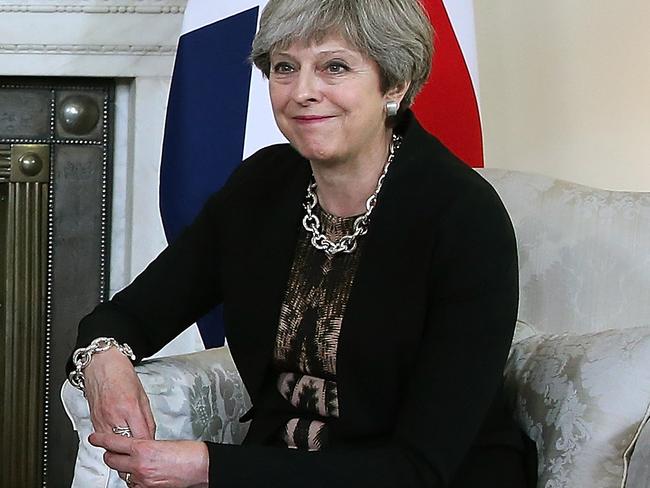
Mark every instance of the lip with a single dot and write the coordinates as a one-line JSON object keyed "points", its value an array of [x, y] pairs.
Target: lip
{"points": [[312, 119]]}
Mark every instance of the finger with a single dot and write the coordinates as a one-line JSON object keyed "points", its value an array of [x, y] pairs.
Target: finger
{"points": [[104, 417], [124, 475], [133, 418], [111, 442], [103, 426], [119, 462], [149, 418], [138, 424], [106, 426]]}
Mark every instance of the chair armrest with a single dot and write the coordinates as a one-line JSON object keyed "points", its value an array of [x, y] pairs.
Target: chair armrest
{"points": [[198, 396], [639, 470]]}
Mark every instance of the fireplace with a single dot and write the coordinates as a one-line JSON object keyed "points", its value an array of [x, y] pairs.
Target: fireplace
{"points": [[83, 87], [55, 138]]}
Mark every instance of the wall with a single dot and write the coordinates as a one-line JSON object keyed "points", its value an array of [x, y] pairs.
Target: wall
{"points": [[565, 88]]}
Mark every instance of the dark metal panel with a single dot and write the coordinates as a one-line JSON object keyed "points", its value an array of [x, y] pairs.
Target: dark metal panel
{"points": [[77, 222], [24, 113]]}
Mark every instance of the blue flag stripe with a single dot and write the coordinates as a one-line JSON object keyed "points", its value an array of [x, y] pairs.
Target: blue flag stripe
{"points": [[205, 127]]}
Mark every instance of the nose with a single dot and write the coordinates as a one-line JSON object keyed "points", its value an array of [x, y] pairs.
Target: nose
{"points": [[306, 89]]}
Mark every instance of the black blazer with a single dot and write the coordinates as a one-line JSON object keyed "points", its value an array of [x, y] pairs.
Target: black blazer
{"points": [[425, 335]]}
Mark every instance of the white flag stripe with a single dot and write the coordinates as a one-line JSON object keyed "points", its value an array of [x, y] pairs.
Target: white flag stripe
{"points": [[200, 13], [461, 15], [261, 129]]}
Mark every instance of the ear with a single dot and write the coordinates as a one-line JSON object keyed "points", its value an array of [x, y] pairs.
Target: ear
{"points": [[397, 92]]}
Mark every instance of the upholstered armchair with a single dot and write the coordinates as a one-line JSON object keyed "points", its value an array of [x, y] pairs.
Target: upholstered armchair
{"points": [[579, 367], [579, 370]]}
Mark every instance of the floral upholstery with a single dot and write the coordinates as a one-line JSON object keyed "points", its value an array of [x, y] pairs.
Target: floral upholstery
{"points": [[584, 253], [193, 396], [583, 398], [582, 395], [639, 468]]}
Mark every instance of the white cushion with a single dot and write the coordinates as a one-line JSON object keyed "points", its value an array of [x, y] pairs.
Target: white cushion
{"points": [[583, 399], [196, 396]]}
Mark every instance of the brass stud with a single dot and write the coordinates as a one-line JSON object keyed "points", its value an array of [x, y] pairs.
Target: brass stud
{"points": [[78, 114], [30, 164]]}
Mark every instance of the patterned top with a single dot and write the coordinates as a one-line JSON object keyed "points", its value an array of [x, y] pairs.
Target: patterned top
{"points": [[310, 323]]}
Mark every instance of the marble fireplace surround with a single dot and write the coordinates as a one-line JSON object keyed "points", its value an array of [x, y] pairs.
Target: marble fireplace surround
{"points": [[134, 43]]}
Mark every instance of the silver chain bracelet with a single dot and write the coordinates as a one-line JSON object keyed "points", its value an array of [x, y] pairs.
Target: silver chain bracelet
{"points": [[82, 356]]}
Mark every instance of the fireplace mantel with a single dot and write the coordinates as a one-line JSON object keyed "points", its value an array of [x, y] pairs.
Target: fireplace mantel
{"points": [[105, 38]]}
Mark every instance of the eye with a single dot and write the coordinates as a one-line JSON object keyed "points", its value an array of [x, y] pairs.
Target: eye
{"points": [[336, 67], [283, 68]]}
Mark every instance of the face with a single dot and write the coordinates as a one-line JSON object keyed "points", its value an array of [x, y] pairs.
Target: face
{"points": [[327, 100]]}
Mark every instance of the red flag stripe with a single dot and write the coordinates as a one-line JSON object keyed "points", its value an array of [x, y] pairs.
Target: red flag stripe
{"points": [[447, 105]]}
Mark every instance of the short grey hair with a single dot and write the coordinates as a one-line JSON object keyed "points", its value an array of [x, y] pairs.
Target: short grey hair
{"points": [[397, 34]]}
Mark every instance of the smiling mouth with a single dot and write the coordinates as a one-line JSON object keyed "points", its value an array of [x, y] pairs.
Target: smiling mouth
{"points": [[312, 118]]}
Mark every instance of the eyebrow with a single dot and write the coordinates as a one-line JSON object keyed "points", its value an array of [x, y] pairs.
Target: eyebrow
{"points": [[336, 51], [320, 53]]}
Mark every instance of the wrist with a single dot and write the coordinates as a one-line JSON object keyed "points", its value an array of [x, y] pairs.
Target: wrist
{"points": [[203, 465], [106, 360], [83, 357]]}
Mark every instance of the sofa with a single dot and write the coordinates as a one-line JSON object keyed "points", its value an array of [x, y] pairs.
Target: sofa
{"points": [[578, 374]]}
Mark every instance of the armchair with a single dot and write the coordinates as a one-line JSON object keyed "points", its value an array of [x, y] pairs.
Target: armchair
{"points": [[579, 369]]}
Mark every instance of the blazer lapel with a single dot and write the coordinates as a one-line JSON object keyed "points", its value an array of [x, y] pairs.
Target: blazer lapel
{"points": [[389, 286]]}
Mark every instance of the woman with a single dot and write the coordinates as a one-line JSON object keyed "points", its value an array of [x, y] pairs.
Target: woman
{"points": [[369, 283]]}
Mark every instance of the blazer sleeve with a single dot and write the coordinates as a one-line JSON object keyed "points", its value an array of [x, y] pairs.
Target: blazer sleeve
{"points": [[180, 286], [176, 289], [457, 375]]}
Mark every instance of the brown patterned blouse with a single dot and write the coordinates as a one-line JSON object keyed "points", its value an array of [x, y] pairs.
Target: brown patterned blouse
{"points": [[307, 340]]}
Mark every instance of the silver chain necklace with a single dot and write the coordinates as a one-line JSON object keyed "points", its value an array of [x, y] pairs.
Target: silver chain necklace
{"points": [[347, 243]]}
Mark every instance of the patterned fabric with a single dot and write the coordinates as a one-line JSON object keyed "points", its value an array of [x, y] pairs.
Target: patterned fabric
{"points": [[584, 264], [582, 399], [523, 330], [308, 333], [639, 472], [194, 396], [310, 393]]}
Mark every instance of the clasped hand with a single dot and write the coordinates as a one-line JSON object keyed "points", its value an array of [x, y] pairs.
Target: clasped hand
{"points": [[116, 399], [169, 464]]}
